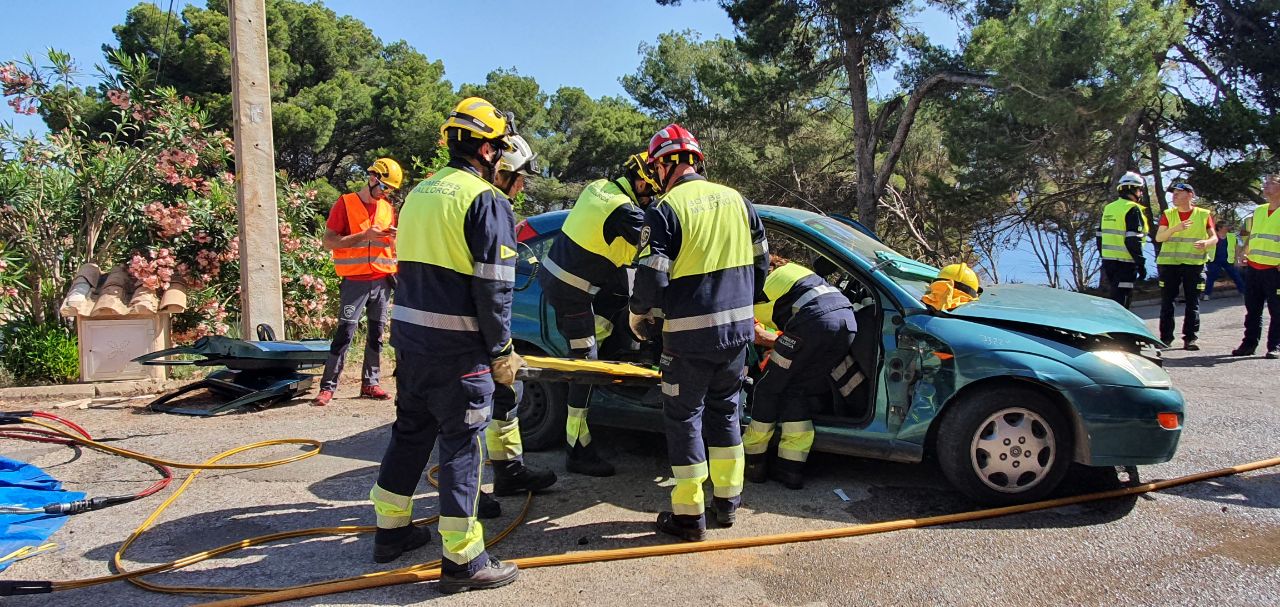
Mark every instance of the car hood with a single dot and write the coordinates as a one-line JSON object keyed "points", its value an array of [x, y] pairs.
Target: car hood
{"points": [[1049, 307]]}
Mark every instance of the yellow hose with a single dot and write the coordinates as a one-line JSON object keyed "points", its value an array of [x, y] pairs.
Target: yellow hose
{"points": [[135, 577], [430, 571], [596, 556]]}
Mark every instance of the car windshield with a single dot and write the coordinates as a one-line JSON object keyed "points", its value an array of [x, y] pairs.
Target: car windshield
{"points": [[911, 275]]}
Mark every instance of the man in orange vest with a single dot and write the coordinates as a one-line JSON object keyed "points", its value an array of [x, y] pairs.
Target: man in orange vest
{"points": [[361, 234]]}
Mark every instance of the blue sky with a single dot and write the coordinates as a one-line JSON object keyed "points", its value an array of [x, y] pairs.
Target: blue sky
{"points": [[584, 43]]}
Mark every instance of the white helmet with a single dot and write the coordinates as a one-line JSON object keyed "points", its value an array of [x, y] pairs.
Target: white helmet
{"points": [[519, 158], [1131, 179]]}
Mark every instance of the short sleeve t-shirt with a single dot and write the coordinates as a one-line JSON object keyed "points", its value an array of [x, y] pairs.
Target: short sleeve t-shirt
{"points": [[338, 223]]}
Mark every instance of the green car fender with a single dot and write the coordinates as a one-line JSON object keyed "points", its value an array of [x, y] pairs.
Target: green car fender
{"points": [[956, 357]]}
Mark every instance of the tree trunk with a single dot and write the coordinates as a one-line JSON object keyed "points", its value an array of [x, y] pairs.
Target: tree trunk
{"points": [[863, 136]]}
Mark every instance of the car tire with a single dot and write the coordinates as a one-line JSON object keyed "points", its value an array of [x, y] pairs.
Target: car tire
{"points": [[1004, 445], [542, 414]]}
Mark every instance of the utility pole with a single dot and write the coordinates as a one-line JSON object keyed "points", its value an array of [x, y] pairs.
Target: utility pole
{"points": [[261, 293]]}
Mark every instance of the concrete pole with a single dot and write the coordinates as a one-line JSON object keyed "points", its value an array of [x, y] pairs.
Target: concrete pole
{"points": [[261, 292]]}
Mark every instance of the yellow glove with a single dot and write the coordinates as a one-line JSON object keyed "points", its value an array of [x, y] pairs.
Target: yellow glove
{"points": [[505, 367]]}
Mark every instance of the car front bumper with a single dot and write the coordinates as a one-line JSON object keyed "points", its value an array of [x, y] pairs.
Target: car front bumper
{"points": [[1118, 425]]}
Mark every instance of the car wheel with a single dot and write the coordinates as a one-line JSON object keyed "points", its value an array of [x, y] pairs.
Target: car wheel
{"points": [[542, 413], [1007, 445]]}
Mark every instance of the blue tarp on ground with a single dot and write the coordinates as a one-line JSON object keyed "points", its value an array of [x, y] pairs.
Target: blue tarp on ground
{"points": [[22, 484]]}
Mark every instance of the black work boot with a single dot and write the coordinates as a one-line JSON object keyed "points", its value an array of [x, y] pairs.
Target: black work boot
{"points": [[488, 507], [757, 467], [389, 544], [1190, 344], [789, 473], [1273, 353], [513, 478], [687, 528], [494, 574], [585, 460], [726, 512], [1245, 350]]}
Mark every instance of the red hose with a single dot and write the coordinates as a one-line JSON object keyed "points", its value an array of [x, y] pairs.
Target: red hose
{"points": [[66, 422]]}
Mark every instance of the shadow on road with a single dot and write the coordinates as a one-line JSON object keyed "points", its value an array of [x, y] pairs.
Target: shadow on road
{"points": [[1257, 491], [1203, 360]]}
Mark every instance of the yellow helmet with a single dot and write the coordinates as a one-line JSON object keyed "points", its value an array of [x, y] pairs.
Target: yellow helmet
{"points": [[956, 285], [388, 172], [965, 278], [637, 165], [478, 118]]}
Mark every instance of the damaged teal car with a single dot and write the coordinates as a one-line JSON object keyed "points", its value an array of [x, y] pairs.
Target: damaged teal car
{"points": [[1005, 392]]}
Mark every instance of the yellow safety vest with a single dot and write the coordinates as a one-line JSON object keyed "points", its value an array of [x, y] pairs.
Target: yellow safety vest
{"points": [[777, 284], [585, 224], [1180, 248], [1113, 230], [431, 222], [713, 222], [1232, 242], [1264, 237]]}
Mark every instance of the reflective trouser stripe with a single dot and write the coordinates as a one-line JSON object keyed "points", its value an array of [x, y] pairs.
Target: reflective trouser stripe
{"points": [[847, 388], [706, 321], [756, 439], [502, 437], [728, 465], [672, 390], [811, 295], [582, 343], [575, 427], [686, 495], [393, 510], [569, 278], [796, 440], [842, 368], [463, 538], [1124, 285], [446, 322]]}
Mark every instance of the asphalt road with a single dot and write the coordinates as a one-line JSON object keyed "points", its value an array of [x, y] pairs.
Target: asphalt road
{"points": [[1214, 543]]}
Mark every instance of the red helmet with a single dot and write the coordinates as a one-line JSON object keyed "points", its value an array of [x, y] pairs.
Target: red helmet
{"points": [[674, 139]]}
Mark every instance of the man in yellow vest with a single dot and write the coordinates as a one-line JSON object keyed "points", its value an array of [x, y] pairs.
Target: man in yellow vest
{"points": [[1120, 235], [451, 328], [703, 260], [510, 474], [809, 362], [1262, 276], [1188, 236], [587, 264], [360, 232], [1224, 261]]}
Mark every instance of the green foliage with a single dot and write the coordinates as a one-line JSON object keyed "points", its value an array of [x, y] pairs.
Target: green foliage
{"points": [[38, 353], [340, 96]]}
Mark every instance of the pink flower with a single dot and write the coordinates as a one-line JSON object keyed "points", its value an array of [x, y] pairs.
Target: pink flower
{"points": [[118, 98]]}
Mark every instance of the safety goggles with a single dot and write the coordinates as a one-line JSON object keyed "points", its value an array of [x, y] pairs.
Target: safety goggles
{"points": [[377, 181]]}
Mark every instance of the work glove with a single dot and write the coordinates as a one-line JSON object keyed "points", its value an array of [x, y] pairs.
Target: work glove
{"points": [[505, 367], [640, 324]]}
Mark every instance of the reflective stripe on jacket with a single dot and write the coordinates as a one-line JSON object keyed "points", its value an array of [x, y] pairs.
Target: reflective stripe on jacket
{"points": [[1180, 248], [370, 257], [457, 266], [796, 293]]}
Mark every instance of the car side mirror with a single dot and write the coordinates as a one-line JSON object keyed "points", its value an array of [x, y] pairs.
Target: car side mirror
{"points": [[527, 266]]}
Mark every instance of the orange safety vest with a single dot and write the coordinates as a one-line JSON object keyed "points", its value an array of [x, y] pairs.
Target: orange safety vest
{"points": [[372, 257]]}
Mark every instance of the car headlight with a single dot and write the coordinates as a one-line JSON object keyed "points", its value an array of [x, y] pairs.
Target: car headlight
{"points": [[1147, 372]]}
